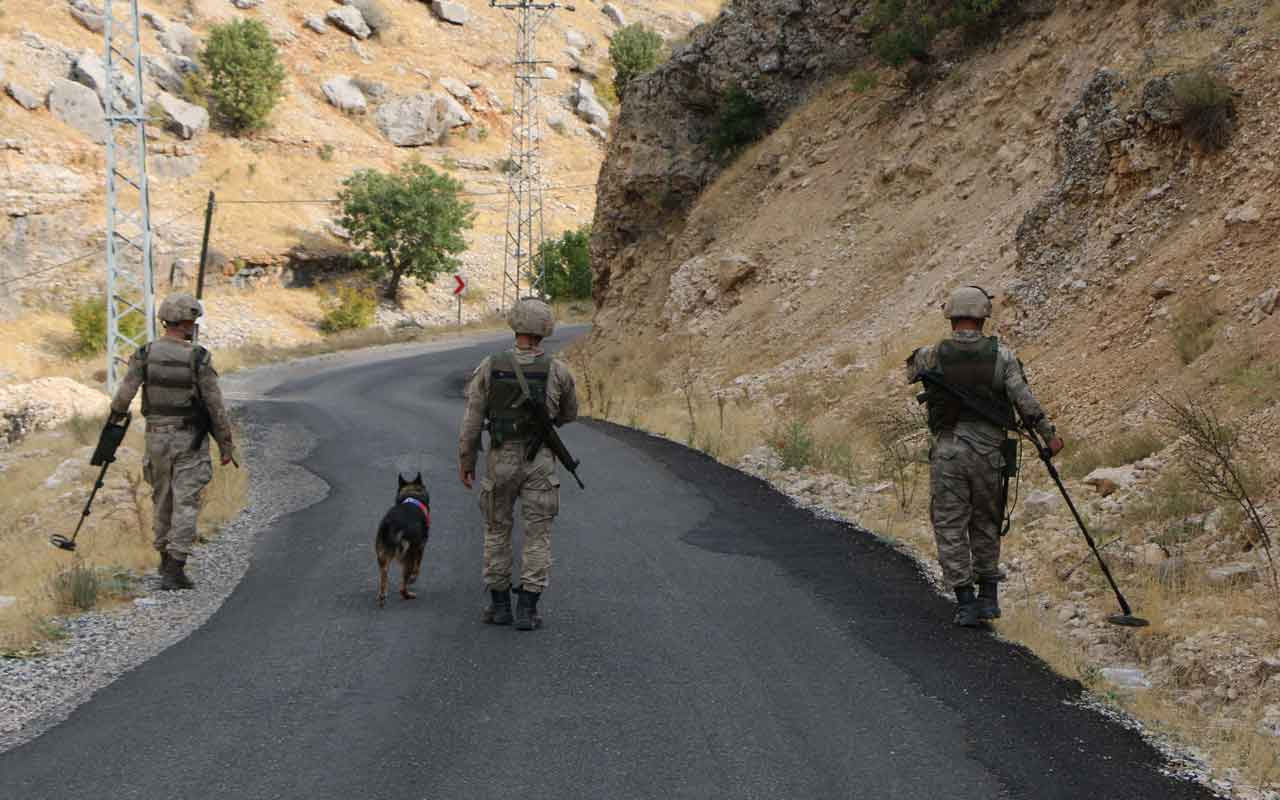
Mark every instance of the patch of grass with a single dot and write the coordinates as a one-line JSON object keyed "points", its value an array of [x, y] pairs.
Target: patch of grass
{"points": [[325, 151], [77, 587], [1194, 330], [348, 309], [1116, 451], [794, 442], [1206, 109], [863, 81]]}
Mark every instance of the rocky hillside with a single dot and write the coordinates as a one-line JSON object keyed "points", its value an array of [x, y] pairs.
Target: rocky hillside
{"points": [[428, 81], [772, 298]]}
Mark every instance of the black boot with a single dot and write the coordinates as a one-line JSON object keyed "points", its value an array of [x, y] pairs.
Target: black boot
{"points": [[175, 575], [165, 558], [527, 611], [499, 610], [988, 599], [967, 608]]}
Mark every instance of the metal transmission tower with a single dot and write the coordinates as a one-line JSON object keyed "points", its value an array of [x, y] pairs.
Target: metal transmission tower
{"points": [[130, 273], [524, 164]]}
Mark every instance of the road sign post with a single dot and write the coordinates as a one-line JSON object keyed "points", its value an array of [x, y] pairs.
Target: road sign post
{"points": [[459, 289]]}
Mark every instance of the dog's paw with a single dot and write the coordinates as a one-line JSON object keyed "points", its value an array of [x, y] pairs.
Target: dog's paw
{"points": [[408, 595], [382, 600]]}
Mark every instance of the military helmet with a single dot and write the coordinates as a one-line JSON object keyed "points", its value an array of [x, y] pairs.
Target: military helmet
{"points": [[532, 317], [968, 302], [180, 307]]}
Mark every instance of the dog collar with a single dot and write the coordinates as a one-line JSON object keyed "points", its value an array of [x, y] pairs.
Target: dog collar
{"points": [[426, 512]]}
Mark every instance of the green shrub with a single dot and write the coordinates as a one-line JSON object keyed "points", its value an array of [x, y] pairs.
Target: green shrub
{"points": [[978, 18], [568, 265], [325, 151], [89, 321], [245, 79], [794, 442], [742, 119], [633, 51], [77, 587], [1206, 109], [1194, 329], [348, 309], [606, 93], [896, 47], [863, 81]]}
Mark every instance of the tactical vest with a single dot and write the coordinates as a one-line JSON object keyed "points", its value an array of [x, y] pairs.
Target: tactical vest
{"points": [[169, 379], [508, 418], [970, 368]]}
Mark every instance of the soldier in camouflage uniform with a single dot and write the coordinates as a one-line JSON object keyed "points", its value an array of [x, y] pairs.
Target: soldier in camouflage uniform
{"points": [[966, 460], [494, 403], [176, 377]]}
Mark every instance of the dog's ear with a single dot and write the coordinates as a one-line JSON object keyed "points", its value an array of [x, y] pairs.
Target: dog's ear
{"points": [[400, 480], [418, 479]]}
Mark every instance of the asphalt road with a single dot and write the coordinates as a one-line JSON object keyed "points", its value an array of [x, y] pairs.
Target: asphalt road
{"points": [[704, 639]]}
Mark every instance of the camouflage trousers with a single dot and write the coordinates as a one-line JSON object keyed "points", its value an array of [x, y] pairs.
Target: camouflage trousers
{"points": [[534, 483], [177, 475], [964, 503]]}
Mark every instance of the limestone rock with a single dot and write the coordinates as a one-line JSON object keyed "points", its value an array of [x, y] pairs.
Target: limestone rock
{"points": [[557, 121], [614, 14], [454, 13], [598, 132], [183, 118], [89, 16], [549, 73], [344, 95], [316, 25], [46, 403], [1160, 289], [78, 106], [734, 270], [587, 106], [1232, 574], [23, 96], [90, 71], [1039, 502], [179, 40], [1108, 480], [419, 119], [577, 39], [173, 168], [460, 91], [349, 20], [1243, 215]]}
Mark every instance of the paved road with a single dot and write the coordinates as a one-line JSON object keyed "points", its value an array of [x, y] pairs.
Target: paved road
{"points": [[704, 639]]}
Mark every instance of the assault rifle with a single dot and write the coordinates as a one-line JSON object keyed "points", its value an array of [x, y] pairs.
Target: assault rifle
{"points": [[547, 435]]}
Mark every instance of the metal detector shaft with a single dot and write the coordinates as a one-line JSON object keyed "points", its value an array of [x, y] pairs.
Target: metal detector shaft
{"points": [[88, 506], [1046, 456]]}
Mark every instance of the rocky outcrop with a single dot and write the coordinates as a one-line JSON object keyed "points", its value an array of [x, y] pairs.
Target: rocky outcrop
{"points": [[349, 20], [344, 95], [44, 404], [660, 157], [183, 118], [588, 106], [453, 13], [23, 96], [420, 119], [78, 106]]}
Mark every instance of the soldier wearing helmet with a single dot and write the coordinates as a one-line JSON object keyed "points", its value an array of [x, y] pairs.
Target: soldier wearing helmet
{"points": [[182, 404], [969, 454], [494, 403]]}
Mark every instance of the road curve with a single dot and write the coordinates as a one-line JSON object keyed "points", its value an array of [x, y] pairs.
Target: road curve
{"points": [[704, 639]]}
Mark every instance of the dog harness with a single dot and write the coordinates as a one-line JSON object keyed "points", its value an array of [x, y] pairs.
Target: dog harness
{"points": [[426, 512]]}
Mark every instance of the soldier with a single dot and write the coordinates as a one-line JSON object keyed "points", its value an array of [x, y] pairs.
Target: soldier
{"points": [[182, 404], [968, 457], [494, 403]]}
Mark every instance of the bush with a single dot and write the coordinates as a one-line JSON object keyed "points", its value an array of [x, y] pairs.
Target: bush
{"points": [[1194, 330], [1206, 109], [348, 309], [89, 321], [568, 265], [896, 47], [377, 18], [978, 18], [794, 442], [77, 587], [742, 120], [244, 77], [863, 81], [325, 151], [633, 51]]}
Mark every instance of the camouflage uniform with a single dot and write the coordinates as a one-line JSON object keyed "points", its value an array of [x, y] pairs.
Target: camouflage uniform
{"points": [[966, 464], [169, 371], [509, 476]]}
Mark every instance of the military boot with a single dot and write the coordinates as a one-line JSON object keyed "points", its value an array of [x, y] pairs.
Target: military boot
{"points": [[527, 611], [499, 610], [165, 558], [967, 608], [175, 576], [988, 599]]}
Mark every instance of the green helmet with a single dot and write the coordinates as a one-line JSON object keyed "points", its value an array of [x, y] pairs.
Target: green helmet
{"points": [[532, 317], [968, 302], [180, 307]]}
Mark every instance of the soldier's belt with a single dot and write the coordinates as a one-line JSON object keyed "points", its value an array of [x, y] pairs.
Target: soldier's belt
{"points": [[168, 426]]}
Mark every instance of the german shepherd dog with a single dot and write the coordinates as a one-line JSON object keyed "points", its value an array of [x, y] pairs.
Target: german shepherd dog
{"points": [[402, 536]]}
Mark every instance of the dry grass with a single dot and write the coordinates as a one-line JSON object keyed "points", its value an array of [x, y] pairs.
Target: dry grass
{"points": [[1112, 451]]}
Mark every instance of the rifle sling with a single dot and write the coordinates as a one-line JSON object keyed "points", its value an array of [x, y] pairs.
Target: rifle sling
{"points": [[520, 378]]}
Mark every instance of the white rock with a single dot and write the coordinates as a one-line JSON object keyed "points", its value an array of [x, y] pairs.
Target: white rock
{"points": [[316, 24], [1243, 215], [46, 403], [549, 73], [245, 5], [419, 119], [614, 13], [1266, 302], [459, 90], [1126, 677], [598, 132], [1232, 574], [23, 96], [183, 118], [344, 95], [1039, 502], [577, 39], [350, 20], [557, 121], [78, 106], [454, 13]]}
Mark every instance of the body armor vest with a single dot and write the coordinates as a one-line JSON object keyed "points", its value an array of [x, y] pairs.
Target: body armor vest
{"points": [[508, 417], [169, 379], [970, 368]]}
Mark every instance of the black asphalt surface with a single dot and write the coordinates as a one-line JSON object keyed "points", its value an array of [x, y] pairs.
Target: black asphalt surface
{"points": [[704, 639]]}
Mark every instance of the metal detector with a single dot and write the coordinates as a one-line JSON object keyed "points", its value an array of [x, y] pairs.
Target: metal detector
{"points": [[1126, 617], [104, 455]]}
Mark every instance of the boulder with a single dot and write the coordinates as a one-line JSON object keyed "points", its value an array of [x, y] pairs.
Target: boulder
{"points": [[615, 14], [1160, 289], [598, 132], [344, 95], [549, 73], [581, 65], [88, 16], [1243, 215], [46, 403], [179, 40], [1039, 502], [577, 39], [23, 96], [453, 13], [587, 106], [1232, 574], [460, 91], [349, 20], [165, 77], [419, 119], [1108, 480], [90, 71], [78, 106], [557, 121], [734, 270], [316, 24], [183, 118]]}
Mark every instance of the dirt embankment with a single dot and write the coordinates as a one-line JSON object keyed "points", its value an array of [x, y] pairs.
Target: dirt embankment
{"points": [[771, 302]]}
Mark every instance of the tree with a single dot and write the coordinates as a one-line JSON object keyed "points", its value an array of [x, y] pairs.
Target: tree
{"points": [[634, 51], [742, 119], [568, 265], [244, 77], [405, 223]]}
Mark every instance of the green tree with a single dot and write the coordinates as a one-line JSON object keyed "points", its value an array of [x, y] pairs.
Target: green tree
{"points": [[405, 223], [741, 121], [634, 51], [244, 79], [568, 264]]}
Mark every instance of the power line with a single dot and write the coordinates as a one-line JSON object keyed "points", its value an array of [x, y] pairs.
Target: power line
{"points": [[333, 200]]}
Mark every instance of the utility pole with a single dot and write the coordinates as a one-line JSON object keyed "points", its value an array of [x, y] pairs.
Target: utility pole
{"points": [[524, 164], [130, 272]]}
